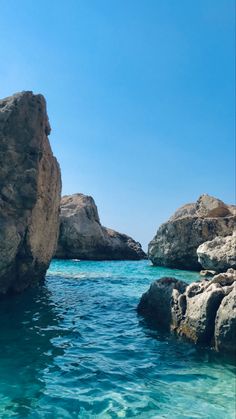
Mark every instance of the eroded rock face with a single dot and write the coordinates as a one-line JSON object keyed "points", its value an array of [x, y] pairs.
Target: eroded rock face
{"points": [[159, 300], [225, 324], [201, 306], [30, 187], [176, 241], [218, 254], [204, 312], [83, 237]]}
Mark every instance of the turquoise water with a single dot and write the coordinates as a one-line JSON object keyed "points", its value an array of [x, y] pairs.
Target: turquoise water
{"points": [[75, 348]]}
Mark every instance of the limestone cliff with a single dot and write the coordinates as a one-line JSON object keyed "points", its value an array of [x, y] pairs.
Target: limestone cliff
{"points": [[30, 186]]}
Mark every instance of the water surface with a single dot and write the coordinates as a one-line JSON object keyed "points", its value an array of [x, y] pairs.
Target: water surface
{"points": [[75, 348]]}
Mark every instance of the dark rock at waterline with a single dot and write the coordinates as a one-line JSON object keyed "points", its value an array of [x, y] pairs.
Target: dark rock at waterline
{"points": [[204, 312], [158, 302], [83, 237], [176, 241], [30, 187]]}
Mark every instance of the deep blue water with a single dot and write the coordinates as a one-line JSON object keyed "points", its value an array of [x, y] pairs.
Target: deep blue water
{"points": [[76, 348]]}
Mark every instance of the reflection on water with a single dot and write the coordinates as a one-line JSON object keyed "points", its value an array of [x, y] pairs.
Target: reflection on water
{"points": [[75, 348]]}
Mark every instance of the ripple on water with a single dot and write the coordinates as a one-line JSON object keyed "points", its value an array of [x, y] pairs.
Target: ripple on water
{"points": [[75, 348]]}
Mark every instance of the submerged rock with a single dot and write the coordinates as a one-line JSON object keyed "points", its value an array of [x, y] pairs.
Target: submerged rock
{"points": [[83, 237], [204, 312], [30, 186], [176, 241], [218, 254]]}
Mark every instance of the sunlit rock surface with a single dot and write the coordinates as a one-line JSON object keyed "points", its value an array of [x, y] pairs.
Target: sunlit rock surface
{"points": [[30, 186]]}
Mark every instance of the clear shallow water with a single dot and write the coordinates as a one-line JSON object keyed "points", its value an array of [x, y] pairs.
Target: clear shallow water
{"points": [[75, 348]]}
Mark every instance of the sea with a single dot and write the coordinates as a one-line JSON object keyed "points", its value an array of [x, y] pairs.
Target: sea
{"points": [[75, 347]]}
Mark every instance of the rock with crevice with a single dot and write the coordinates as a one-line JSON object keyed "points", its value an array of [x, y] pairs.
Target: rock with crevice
{"points": [[176, 241], [158, 301], [83, 237], [203, 312], [225, 324], [201, 307], [30, 187]]}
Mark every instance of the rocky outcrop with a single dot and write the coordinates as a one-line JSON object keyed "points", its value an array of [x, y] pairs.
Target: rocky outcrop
{"points": [[204, 312], [225, 324], [176, 242], [159, 301], [218, 254], [83, 237], [30, 188]]}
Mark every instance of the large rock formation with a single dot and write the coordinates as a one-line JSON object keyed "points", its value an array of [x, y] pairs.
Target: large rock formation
{"points": [[30, 188], [176, 241], [218, 254], [203, 312], [83, 237]]}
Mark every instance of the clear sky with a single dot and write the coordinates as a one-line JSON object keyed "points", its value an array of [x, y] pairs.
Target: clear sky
{"points": [[140, 98]]}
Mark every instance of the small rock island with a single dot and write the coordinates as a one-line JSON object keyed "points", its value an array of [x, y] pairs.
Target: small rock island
{"points": [[83, 237]]}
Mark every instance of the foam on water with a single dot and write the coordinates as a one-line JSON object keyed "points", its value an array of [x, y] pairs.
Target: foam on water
{"points": [[76, 348]]}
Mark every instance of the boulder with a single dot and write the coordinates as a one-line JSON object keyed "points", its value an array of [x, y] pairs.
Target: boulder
{"points": [[210, 207], [202, 304], [225, 279], [158, 301], [30, 187], [207, 273], [225, 324], [218, 254], [83, 237], [204, 312], [176, 241]]}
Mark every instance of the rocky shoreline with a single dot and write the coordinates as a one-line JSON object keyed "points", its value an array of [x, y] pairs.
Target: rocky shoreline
{"points": [[200, 235], [203, 312], [36, 224]]}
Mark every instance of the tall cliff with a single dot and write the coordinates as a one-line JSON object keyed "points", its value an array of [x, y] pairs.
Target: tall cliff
{"points": [[30, 188]]}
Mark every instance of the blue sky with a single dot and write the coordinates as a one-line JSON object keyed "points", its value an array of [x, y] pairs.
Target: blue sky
{"points": [[140, 98]]}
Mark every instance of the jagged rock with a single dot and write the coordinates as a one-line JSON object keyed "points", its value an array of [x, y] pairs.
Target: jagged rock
{"points": [[83, 237], [225, 324], [201, 307], [176, 241], [203, 312], [158, 301], [224, 278], [218, 254], [30, 188], [207, 273], [210, 207]]}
